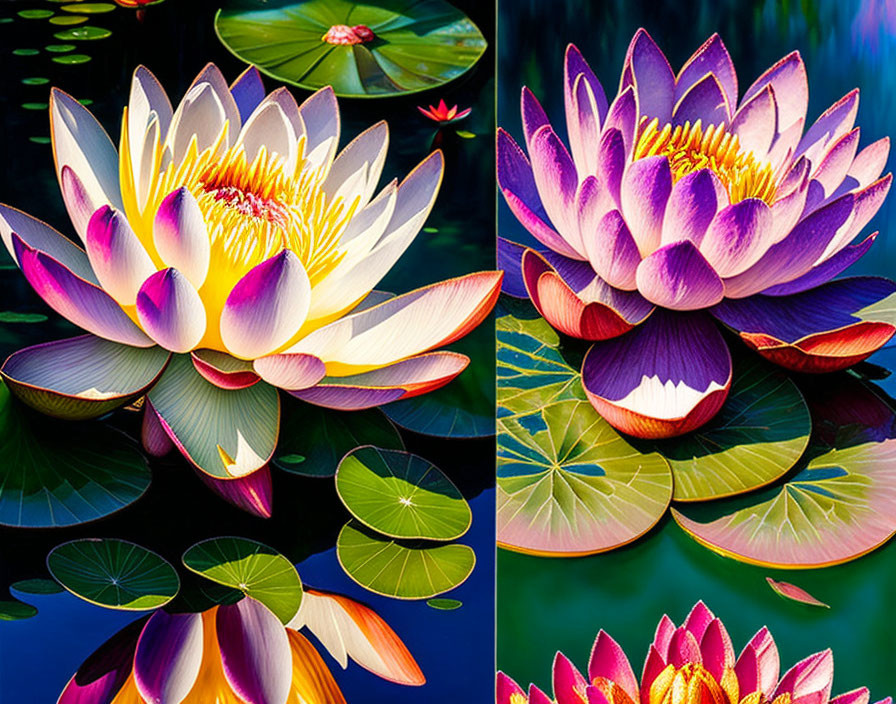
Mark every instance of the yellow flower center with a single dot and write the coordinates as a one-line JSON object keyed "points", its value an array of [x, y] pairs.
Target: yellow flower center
{"points": [[517, 698], [690, 147], [252, 210]]}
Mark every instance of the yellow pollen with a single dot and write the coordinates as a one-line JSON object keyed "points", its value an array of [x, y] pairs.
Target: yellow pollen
{"points": [[692, 684], [690, 147], [517, 698]]}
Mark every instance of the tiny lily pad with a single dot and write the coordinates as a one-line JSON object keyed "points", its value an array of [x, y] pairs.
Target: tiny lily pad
{"points": [[466, 134], [60, 48], [9, 316], [401, 495], [89, 8], [794, 593], [253, 568], [411, 45], [313, 440], [71, 59], [402, 569], [114, 573], [36, 586], [68, 20], [444, 604], [35, 106], [14, 610], [87, 32], [26, 52], [35, 14]]}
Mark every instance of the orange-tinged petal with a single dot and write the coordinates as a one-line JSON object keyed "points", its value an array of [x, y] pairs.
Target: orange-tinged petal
{"points": [[312, 682]]}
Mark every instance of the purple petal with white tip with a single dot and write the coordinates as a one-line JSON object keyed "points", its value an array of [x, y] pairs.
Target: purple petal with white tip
{"points": [[613, 252], [557, 181], [677, 276], [646, 187], [833, 123], [533, 114], [825, 271], [118, 258], [734, 240], [755, 122], [170, 311], [168, 657], [693, 203], [788, 79], [181, 236]]}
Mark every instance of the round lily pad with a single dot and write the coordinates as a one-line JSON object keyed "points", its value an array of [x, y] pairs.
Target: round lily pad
{"points": [[253, 568], [35, 14], [25, 52], [760, 433], [87, 32], [70, 59], [414, 46], [89, 8], [444, 604], [401, 495], [402, 569], [35, 106], [114, 573], [15, 610], [313, 440], [35, 81], [59, 48], [60, 473], [36, 586], [68, 20]]}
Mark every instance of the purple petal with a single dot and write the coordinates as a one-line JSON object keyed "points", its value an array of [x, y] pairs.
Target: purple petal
{"points": [[788, 79], [736, 237], [867, 203], [510, 256], [666, 377], [247, 91], [181, 236], [77, 200], [836, 163], [119, 259], [611, 166], [86, 305], [255, 652], [704, 101], [533, 114], [253, 492], [825, 271], [168, 657], [623, 116], [712, 57], [345, 398], [653, 77], [519, 189], [153, 436], [646, 187], [755, 123], [693, 203], [266, 307], [833, 123], [583, 126], [291, 372], [870, 162], [170, 311], [678, 276], [574, 66], [557, 181], [613, 252]]}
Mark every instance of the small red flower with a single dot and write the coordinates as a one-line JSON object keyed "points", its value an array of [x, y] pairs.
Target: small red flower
{"points": [[343, 34], [442, 114]]}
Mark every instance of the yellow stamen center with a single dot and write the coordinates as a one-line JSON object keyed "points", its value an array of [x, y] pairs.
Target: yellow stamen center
{"points": [[690, 147]]}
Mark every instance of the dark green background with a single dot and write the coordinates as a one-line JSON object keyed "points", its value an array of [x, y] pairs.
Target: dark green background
{"points": [[545, 605]]}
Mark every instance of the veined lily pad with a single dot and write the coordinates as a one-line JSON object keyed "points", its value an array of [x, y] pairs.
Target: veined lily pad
{"points": [[568, 484], [313, 440], [114, 573], [760, 433], [417, 44], [402, 569], [15, 610], [36, 586], [57, 473], [401, 495], [253, 568]]}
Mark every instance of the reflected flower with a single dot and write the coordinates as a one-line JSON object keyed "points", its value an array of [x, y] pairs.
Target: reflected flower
{"points": [[694, 662], [230, 233], [443, 114], [680, 205], [241, 653]]}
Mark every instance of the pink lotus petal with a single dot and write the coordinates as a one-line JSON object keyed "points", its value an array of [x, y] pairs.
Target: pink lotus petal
{"points": [[833, 123], [793, 592], [664, 630], [171, 311], [836, 163], [654, 664], [153, 436], [118, 258], [813, 675], [857, 696], [506, 689], [755, 121], [717, 649], [698, 620], [610, 662], [291, 372], [569, 685], [169, 656], [348, 398], [536, 696], [224, 371], [684, 648], [255, 652], [252, 492], [181, 236]]}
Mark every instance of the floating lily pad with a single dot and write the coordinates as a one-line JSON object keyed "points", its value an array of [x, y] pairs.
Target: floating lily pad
{"points": [[114, 573], [402, 569], [444, 604], [25, 52], [58, 473], [401, 495], [6, 20], [35, 81], [40, 140], [68, 20], [313, 440], [89, 8], [35, 106], [36, 586], [60, 48], [418, 45], [466, 134], [35, 14], [87, 32], [568, 483], [70, 59], [794, 593], [14, 610], [760, 433], [13, 317], [253, 568]]}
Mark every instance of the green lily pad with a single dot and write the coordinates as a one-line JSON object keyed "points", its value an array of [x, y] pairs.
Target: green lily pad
{"points": [[60, 48], [402, 569], [466, 134], [89, 8], [35, 14], [26, 52], [568, 483], [68, 20], [114, 573], [418, 45], [71, 59], [40, 140], [36, 586], [401, 495], [58, 473], [35, 106], [760, 433], [9, 316], [313, 440], [444, 604], [87, 32], [15, 610], [253, 568]]}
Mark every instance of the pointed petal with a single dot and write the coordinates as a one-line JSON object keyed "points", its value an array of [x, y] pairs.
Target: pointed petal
{"points": [[610, 662], [253, 493], [311, 679], [735, 240], [654, 664], [116, 255], [368, 151], [666, 377], [857, 696], [568, 681], [693, 203], [788, 79], [755, 123], [704, 101], [677, 276], [247, 91], [716, 649], [533, 114], [833, 123], [684, 649], [181, 236], [613, 252], [320, 115], [646, 187], [698, 620], [170, 311], [712, 57], [652, 76], [506, 689], [168, 657], [814, 674]]}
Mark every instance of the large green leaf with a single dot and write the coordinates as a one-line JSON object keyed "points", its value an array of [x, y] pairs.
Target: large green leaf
{"points": [[253, 568], [568, 484], [760, 433], [225, 433], [57, 473], [401, 495], [419, 44], [114, 573], [402, 569], [313, 439]]}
